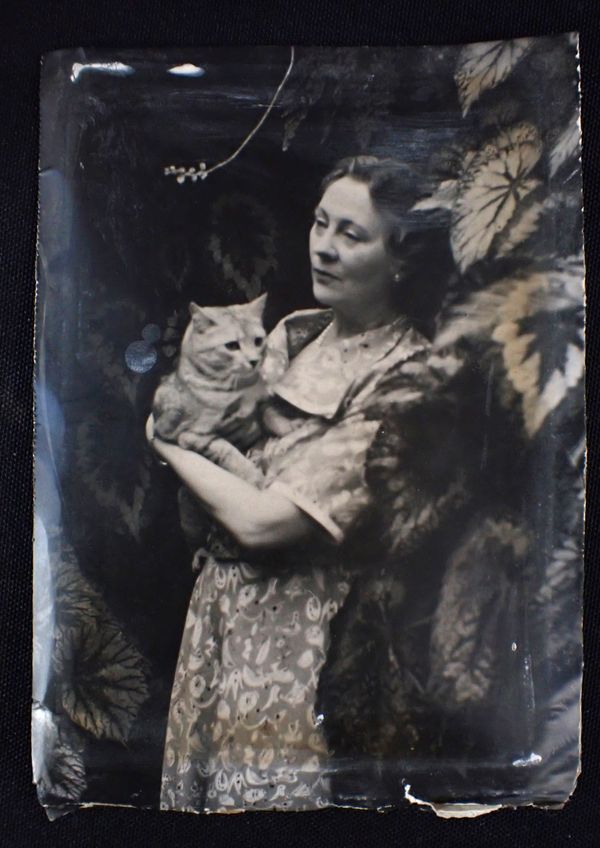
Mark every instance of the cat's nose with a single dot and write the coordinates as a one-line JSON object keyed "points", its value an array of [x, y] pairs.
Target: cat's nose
{"points": [[253, 361]]}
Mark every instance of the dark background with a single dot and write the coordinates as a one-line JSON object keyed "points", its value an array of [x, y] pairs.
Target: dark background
{"points": [[26, 33]]}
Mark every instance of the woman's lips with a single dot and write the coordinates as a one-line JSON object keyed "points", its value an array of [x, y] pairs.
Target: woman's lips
{"points": [[327, 274]]}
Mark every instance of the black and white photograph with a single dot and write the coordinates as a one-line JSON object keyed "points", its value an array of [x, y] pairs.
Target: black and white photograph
{"points": [[310, 436]]}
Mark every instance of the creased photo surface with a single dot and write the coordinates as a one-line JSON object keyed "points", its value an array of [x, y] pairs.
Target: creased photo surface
{"points": [[310, 437]]}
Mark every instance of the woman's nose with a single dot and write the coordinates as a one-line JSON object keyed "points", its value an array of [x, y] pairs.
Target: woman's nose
{"points": [[326, 250]]}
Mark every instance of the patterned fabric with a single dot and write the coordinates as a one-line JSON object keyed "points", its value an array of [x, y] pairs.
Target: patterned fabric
{"points": [[242, 730]]}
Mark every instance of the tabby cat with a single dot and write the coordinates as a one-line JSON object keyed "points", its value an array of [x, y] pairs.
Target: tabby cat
{"points": [[217, 382]]}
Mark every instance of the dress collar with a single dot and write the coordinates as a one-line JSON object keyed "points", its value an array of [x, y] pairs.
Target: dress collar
{"points": [[317, 378]]}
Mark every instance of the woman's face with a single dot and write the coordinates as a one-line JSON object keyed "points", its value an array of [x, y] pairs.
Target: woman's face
{"points": [[351, 269]]}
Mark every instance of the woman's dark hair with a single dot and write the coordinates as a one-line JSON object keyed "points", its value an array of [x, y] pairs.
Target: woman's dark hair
{"points": [[417, 241]]}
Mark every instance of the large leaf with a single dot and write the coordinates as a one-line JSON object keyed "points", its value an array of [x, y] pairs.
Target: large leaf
{"points": [[100, 675], [97, 470], [483, 66], [444, 197], [57, 756], [491, 192], [102, 678], [557, 600], [104, 350], [543, 347], [566, 146], [370, 697], [470, 624], [314, 75], [522, 225], [242, 242], [414, 505], [537, 321], [418, 490], [555, 583], [75, 599]]}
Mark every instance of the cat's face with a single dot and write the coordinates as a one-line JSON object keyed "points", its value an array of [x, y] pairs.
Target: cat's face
{"points": [[226, 341]]}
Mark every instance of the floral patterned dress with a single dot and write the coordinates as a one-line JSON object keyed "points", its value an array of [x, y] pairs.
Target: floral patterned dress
{"points": [[242, 730]]}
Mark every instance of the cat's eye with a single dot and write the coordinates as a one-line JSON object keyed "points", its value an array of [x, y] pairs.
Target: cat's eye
{"points": [[232, 345], [258, 341]]}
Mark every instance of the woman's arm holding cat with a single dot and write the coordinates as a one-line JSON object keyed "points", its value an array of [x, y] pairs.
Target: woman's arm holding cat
{"points": [[256, 519]]}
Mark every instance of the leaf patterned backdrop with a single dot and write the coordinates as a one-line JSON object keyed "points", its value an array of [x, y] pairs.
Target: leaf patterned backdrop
{"points": [[493, 129]]}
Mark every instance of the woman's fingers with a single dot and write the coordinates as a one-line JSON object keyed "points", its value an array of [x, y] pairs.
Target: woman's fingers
{"points": [[150, 428]]}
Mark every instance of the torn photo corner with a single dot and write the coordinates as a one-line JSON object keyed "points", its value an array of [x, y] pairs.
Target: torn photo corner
{"points": [[310, 436]]}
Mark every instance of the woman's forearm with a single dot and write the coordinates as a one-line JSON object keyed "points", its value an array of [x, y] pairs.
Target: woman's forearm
{"points": [[256, 519]]}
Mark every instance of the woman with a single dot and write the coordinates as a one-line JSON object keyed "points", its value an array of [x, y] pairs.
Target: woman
{"points": [[243, 732]]}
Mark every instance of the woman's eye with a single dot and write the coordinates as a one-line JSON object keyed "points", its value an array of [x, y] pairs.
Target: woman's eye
{"points": [[320, 223], [352, 236], [232, 345], [258, 341]]}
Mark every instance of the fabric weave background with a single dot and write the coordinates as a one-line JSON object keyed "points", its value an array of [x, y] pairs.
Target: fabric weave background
{"points": [[27, 31]]}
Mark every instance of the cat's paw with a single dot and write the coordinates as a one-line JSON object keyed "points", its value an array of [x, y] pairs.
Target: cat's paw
{"points": [[166, 423]]}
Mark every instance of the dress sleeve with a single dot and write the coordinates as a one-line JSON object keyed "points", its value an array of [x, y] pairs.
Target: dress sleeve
{"points": [[330, 468], [321, 468]]}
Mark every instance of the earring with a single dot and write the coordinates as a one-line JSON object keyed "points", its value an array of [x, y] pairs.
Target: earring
{"points": [[397, 277]]}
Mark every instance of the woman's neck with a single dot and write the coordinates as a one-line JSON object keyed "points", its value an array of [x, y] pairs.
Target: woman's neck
{"points": [[344, 325]]}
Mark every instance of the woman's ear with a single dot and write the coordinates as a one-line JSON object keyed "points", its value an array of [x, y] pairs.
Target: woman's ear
{"points": [[397, 269]]}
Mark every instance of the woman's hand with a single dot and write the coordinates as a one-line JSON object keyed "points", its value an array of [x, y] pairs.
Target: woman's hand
{"points": [[256, 519]]}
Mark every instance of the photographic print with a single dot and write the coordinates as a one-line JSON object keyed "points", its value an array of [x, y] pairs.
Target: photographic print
{"points": [[310, 437]]}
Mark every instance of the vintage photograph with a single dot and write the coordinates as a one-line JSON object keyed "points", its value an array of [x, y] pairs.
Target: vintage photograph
{"points": [[310, 437]]}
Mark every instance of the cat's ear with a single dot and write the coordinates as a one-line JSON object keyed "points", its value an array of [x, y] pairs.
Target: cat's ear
{"points": [[200, 317], [257, 306]]}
